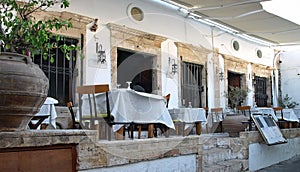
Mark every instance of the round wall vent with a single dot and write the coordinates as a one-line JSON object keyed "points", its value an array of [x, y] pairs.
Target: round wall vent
{"points": [[136, 13], [258, 53], [236, 45]]}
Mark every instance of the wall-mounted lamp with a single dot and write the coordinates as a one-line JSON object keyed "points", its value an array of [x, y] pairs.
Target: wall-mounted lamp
{"points": [[254, 79], [220, 73], [221, 76], [101, 56], [94, 27], [172, 66]]}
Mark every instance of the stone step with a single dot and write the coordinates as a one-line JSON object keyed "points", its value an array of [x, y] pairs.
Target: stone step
{"points": [[234, 165], [210, 157]]}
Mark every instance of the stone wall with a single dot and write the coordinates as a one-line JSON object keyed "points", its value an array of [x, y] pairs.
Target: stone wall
{"points": [[212, 151], [136, 41]]}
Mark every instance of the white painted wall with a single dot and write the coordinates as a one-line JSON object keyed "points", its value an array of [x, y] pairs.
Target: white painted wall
{"points": [[290, 74], [210, 82], [181, 163], [170, 81], [262, 155], [166, 21]]}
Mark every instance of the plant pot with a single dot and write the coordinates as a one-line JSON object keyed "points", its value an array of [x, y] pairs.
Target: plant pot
{"points": [[23, 90], [233, 124]]}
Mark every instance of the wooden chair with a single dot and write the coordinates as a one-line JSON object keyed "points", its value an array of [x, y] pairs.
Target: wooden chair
{"points": [[39, 120], [218, 115], [246, 111], [152, 128], [75, 124], [163, 128], [281, 122], [105, 121]]}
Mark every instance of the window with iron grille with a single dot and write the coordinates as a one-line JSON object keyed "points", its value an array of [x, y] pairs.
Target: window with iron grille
{"points": [[261, 96], [60, 73], [191, 83]]}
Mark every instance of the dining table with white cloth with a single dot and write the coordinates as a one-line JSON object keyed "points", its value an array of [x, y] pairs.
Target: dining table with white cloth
{"points": [[297, 112], [289, 115], [129, 106], [267, 111], [48, 109], [188, 115]]}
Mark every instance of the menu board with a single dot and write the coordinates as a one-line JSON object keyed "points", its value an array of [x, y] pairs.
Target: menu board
{"points": [[268, 129]]}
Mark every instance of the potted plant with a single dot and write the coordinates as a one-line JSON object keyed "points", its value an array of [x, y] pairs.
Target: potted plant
{"points": [[23, 86], [236, 95], [233, 122], [286, 102]]}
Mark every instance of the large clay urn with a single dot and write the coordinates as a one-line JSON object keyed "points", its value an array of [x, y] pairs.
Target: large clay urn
{"points": [[23, 90]]}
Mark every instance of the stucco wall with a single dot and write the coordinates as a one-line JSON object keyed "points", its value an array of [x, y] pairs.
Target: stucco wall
{"points": [[262, 155], [290, 74], [168, 22]]}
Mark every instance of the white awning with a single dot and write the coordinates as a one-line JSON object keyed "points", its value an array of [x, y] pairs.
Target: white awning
{"points": [[246, 17]]}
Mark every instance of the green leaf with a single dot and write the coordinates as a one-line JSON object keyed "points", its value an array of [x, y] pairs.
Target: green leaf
{"points": [[7, 46]]}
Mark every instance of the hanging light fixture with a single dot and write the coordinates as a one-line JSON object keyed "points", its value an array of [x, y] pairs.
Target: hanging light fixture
{"points": [[220, 73], [172, 66], [221, 76], [100, 54]]}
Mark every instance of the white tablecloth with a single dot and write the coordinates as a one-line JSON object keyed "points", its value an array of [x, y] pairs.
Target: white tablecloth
{"points": [[289, 115], [297, 112], [130, 106], [267, 111], [48, 108], [188, 114]]}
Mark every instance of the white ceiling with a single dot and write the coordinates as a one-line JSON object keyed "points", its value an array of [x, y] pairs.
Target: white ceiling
{"points": [[245, 16]]}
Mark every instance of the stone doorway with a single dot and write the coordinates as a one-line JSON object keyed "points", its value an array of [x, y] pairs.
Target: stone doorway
{"points": [[234, 80], [136, 67]]}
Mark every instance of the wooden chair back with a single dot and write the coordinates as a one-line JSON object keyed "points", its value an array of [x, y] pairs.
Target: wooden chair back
{"points": [[216, 110], [167, 97], [217, 115], [206, 111], [92, 89], [162, 127], [245, 110], [278, 110], [75, 125]]}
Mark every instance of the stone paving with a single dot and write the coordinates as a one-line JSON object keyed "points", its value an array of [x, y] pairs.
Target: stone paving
{"points": [[291, 165]]}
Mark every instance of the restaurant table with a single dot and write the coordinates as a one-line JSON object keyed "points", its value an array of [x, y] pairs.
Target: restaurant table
{"points": [[46, 115], [297, 112], [129, 106], [267, 111], [189, 116], [289, 115]]}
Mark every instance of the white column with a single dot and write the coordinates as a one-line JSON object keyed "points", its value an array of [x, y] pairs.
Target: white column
{"points": [[222, 83], [249, 81], [210, 81], [169, 83]]}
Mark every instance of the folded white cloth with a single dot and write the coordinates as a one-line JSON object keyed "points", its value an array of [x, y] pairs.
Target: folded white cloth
{"points": [[48, 108]]}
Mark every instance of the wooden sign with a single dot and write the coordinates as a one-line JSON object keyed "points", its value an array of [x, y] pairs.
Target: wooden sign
{"points": [[268, 129]]}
